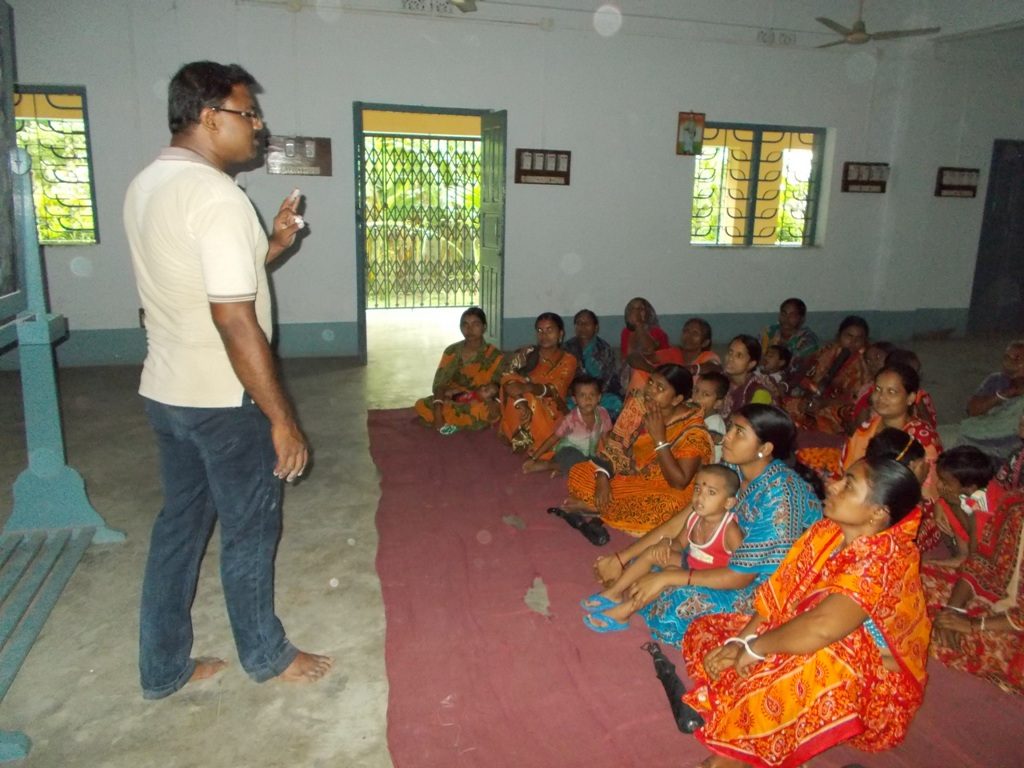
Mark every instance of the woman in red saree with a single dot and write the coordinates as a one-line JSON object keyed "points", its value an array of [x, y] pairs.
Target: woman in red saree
{"points": [[693, 353], [533, 392], [837, 373], [645, 469], [837, 647], [978, 609]]}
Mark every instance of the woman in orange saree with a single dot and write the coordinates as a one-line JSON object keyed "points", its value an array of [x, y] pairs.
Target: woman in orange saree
{"points": [[645, 469], [466, 382], [827, 394], [892, 404], [534, 390], [693, 353], [837, 648]]}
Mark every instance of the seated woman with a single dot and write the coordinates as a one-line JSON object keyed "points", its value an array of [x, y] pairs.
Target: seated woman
{"points": [[875, 356], [642, 335], [892, 405], [466, 382], [837, 645], [791, 333], [746, 385], [773, 508], [997, 406], [823, 399], [693, 353], [644, 471], [595, 357], [534, 390], [979, 611]]}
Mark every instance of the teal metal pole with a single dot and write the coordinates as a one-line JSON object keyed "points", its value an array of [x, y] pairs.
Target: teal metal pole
{"points": [[48, 494]]}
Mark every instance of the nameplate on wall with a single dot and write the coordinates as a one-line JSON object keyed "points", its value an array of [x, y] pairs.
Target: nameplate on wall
{"points": [[299, 155], [543, 166]]}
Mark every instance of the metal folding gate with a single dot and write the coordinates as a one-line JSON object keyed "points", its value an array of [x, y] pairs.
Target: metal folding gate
{"points": [[422, 220]]}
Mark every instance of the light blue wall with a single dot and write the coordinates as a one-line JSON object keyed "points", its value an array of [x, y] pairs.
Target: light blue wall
{"points": [[127, 346]]}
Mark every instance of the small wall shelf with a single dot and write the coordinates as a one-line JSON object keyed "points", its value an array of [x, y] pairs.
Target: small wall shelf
{"points": [[865, 177], [956, 182], [543, 166]]}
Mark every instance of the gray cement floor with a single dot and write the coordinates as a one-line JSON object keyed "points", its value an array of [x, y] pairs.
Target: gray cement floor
{"points": [[77, 694]]}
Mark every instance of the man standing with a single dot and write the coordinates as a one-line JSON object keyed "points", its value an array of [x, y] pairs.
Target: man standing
{"points": [[226, 432]]}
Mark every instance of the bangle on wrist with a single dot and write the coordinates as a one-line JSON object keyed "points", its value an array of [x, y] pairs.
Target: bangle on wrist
{"points": [[689, 578], [602, 471], [621, 564], [983, 623], [438, 401], [746, 645], [955, 609], [662, 444], [1001, 396]]}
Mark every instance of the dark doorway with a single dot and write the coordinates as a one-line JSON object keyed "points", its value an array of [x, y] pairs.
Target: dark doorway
{"points": [[997, 299]]}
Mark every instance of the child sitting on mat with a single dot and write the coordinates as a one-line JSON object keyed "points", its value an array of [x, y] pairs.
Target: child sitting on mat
{"points": [[709, 393], [577, 435], [706, 534]]}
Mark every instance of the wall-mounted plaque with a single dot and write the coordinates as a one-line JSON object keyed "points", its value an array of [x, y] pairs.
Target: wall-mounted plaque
{"points": [[299, 155]]}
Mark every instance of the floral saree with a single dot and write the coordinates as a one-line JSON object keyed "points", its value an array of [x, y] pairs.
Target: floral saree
{"points": [[792, 707]]}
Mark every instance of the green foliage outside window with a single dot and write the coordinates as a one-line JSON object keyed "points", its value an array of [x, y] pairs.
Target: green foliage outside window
{"points": [[51, 128]]}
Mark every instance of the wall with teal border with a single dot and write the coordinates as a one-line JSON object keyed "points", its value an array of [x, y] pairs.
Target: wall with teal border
{"points": [[127, 346]]}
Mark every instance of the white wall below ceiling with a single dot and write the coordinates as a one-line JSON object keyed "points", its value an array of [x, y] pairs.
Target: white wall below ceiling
{"points": [[622, 226]]}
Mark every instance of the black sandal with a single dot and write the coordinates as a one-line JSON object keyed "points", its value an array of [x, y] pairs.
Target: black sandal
{"points": [[591, 527]]}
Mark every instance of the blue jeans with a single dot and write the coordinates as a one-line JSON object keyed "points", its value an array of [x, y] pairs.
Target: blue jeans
{"points": [[215, 463]]}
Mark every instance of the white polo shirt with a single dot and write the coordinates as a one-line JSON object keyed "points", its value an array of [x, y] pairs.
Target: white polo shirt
{"points": [[195, 239]]}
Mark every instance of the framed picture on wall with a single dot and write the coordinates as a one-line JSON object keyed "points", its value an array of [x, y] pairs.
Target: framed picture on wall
{"points": [[690, 133]]}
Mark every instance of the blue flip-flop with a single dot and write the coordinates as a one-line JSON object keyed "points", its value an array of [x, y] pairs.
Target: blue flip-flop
{"points": [[596, 602], [610, 624]]}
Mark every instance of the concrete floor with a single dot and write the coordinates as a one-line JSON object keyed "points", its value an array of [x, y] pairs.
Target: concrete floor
{"points": [[77, 694]]}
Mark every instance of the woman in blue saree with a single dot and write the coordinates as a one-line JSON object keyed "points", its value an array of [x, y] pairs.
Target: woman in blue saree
{"points": [[775, 505], [597, 358]]}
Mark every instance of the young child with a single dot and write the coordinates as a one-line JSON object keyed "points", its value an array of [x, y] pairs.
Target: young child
{"points": [[967, 497], [702, 536], [775, 364], [708, 392], [578, 433]]}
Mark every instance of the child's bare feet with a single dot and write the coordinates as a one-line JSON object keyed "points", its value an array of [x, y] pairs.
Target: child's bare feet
{"points": [[306, 668]]}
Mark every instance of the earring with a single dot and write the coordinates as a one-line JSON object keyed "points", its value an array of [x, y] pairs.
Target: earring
{"points": [[760, 454]]}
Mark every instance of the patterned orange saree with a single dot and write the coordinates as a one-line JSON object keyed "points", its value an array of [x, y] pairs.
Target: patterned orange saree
{"points": [[530, 420], [642, 498], [793, 707]]}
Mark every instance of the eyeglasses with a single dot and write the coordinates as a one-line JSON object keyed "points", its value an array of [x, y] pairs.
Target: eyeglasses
{"points": [[250, 115]]}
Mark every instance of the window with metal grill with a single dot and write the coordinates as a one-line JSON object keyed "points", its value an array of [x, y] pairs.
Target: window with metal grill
{"points": [[53, 127], [757, 185]]}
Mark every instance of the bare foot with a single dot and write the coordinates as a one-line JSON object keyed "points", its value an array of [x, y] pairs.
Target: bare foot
{"points": [[206, 667], [306, 668], [575, 505]]}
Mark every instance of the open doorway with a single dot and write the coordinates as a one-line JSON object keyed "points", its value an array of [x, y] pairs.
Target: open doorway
{"points": [[429, 234], [997, 297]]}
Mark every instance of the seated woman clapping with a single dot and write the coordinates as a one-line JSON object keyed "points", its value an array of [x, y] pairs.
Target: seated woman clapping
{"points": [[643, 473], [702, 536], [836, 647], [535, 387]]}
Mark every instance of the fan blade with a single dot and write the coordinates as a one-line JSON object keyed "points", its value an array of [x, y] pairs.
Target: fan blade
{"points": [[895, 33], [829, 45], [833, 25]]}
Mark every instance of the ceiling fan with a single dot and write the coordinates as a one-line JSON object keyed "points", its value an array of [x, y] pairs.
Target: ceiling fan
{"points": [[858, 34]]}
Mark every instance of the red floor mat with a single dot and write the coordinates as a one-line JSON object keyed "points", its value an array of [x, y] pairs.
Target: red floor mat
{"points": [[478, 678]]}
